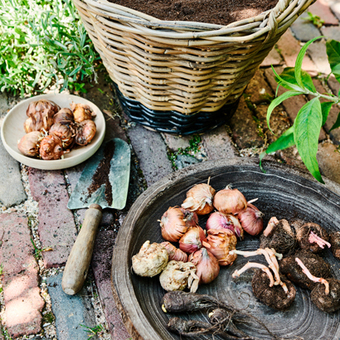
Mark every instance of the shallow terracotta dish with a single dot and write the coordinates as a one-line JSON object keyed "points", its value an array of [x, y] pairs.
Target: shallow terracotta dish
{"points": [[12, 131], [283, 192]]}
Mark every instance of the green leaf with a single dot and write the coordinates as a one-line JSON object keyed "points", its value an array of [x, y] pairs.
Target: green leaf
{"points": [[277, 101], [333, 53], [288, 74], [298, 62], [325, 108], [336, 124], [285, 83], [307, 128]]}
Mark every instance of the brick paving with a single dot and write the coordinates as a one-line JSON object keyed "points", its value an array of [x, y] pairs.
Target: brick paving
{"points": [[24, 299]]}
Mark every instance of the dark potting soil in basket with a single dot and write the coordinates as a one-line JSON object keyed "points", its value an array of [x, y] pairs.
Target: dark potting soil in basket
{"points": [[221, 12]]}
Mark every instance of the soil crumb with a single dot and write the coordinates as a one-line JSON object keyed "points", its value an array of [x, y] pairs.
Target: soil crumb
{"points": [[220, 12]]}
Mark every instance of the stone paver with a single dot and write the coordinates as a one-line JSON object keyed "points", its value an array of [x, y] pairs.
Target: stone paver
{"points": [[56, 223], [20, 277], [321, 9], [317, 52], [175, 142], [332, 32], [304, 30], [73, 313], [10, 173], [151, 153], [101, 265], [335, 7], [334, 85], [329, 161], [273, 58], [289, 48]]}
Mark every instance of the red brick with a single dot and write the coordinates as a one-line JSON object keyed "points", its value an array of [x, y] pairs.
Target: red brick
{"points": [[101, 265], [334, 85], [321, 9], [56, 223], [317, 52], [290, 48], [335, 7], [273, 58], [329, 161], [20, 277], [217, 143], [258, 90]]}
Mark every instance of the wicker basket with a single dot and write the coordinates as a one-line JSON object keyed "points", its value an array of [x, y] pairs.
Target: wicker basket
{"points": [[182, 77]]}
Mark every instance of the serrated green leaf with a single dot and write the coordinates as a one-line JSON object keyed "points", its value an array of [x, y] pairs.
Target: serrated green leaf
{"points": [[333, 53], [299, 60], [288, 74], [336, 124], [325, 108], [307, 128], [277, 101]]}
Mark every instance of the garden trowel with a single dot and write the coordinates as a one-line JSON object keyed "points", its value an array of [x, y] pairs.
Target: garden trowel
{"points": [[103, 184]]}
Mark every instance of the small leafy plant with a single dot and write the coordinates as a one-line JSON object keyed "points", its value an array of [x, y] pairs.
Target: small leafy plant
{"points": [[314, 19], [43, 43], [312, 116], [92, 331]]}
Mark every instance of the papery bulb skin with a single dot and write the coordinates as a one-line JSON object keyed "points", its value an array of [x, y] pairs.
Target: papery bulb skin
{"points": [[192, 240], [85, 132], [51, 148], [63, 116], [220, 243], [178, 275], [218, 220], [173, 224], [229, 201], [29, 144], [64, 132], [190, 217], [150, 260], [199, 199], [82, 112], [175, 253], [40, 115], [206, 264], [251, 220]]}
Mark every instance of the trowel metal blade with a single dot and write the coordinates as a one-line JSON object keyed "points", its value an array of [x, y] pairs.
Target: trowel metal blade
{"points": [[109, 188]]}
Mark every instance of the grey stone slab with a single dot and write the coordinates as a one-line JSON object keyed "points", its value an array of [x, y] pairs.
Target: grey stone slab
{"points": [[10, 178], [183, 161], [304, 30], [3, 104], [71, 312], [151, 153]]}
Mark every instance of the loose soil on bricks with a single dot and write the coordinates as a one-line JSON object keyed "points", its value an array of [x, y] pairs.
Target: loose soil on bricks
{"points": [[218, 12]]}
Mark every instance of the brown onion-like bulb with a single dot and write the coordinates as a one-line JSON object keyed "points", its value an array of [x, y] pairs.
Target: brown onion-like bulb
{"points": [[85, 132], [150, 260], [173, 224], [82, 112], [220, 243], [229, 201], [51, 148], [218, 220], [29, 144], [199, 199], [40, 115], [206, 264], [175, 253], [251, 220], [64, 116], [64, 132], [192, 239]]}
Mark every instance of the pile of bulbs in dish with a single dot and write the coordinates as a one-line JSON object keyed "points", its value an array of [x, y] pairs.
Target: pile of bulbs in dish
{"points": [[52, 131], [201, 252]]}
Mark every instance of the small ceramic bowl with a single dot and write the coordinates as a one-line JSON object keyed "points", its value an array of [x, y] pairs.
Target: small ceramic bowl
{"points": [[12, 131]]}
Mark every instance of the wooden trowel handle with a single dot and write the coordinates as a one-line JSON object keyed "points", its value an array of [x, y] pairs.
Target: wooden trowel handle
{"points": [[78, 262]]}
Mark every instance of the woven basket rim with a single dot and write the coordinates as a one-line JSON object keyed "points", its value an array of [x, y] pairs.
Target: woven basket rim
{"points": [[137, 17]]}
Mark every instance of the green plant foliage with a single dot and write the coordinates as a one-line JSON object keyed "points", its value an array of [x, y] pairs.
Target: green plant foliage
{"points": [[43, 43], [315, 20], [307, 125]]}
